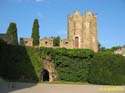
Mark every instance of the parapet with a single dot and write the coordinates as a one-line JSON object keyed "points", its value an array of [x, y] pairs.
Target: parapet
{"points": [[77, 13], [26, 41], [7, 38], [89, 13], [47, 42]]}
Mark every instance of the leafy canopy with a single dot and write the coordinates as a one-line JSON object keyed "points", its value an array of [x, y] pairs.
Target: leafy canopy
{"points": [[35, 32], [12, 30]]}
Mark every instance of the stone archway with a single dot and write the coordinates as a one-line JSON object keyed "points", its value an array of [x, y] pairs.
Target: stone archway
{"points": [[76, 42], [45, 75], [49, 68]]}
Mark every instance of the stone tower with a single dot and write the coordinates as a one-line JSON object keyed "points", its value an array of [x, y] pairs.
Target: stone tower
{"points": [[82, 30]]}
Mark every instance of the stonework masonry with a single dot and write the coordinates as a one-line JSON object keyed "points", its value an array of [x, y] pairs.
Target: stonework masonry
{"points": [[7, 38], [82, 33], [50, 67], [120, 51], [46, 42], [26, 41]]}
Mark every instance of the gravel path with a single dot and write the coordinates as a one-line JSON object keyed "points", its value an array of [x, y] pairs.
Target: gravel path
{"points": [[58, 88]]}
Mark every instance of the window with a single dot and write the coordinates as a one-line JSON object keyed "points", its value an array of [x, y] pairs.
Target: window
{"points": [[66, 42], [26, 42], [46, 43]]}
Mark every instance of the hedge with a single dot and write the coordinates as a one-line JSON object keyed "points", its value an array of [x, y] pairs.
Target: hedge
{"points": [[72, 69], [71, 64], [108, 69], [20, 63]]}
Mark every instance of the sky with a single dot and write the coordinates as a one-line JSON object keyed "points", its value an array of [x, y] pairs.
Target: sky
{"points": [[52, 16]]}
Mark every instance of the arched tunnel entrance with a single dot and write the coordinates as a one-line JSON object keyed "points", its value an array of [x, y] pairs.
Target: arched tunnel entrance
{"points": [[45, 75]]}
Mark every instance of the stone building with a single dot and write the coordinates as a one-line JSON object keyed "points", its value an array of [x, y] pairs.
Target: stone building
{"points": [[7, 38], [82, 31], [120, 51], [65, 43], [46, 42], [26, 41]]}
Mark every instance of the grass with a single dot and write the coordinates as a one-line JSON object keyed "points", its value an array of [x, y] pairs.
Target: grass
{"points": [[67, 82]]}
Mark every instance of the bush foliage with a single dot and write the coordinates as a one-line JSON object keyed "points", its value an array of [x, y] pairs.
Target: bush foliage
{"points": [[72, 65], [56, 41], [20, 63], [25, 64], [35, 32], [107, 69], [12, 30]]}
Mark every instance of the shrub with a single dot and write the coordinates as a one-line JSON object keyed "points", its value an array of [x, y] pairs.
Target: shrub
{"points": [[20, 63], [71, 64], [72, 69], [25, 63], [107, 69]]}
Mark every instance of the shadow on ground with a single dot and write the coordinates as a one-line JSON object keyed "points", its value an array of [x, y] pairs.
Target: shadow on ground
{"points": [[10, 87]]}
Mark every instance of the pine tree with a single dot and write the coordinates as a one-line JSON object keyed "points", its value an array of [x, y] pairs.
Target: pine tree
{"points": [[12, 30], [35, 33]]}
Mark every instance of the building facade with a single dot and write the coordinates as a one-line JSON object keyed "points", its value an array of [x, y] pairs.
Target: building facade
{"points": [[7, 38], [82, 33], [46, 42], [26, 41], [120, 51]]}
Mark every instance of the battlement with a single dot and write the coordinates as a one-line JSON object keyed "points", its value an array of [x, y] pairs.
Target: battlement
{"points": [[7, 38], [26, 41], [82, 30], [82, 33], [78, 13]]}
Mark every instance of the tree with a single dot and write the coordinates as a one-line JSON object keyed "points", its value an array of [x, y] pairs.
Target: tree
{"points": [[116, 48], [101, 48], [35, 32], [12, 30], [56, 41]]}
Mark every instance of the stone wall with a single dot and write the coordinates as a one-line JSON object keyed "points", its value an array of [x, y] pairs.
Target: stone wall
{"points": [[26, 41], [46, 42], [82, 33], [82, 30], [50, 67], [7, 38], [120, 51], [64, 43]]}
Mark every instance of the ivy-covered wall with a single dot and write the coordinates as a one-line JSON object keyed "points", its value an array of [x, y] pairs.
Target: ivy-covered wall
{"points": [[20, 63], [71, 64]]}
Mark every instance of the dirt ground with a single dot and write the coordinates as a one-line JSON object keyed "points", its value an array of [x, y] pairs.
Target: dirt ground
{"points": [[11, 87]]}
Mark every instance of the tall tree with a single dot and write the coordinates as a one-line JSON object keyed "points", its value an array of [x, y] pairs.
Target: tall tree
{"points": [[12, 30], [35, 32]]}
